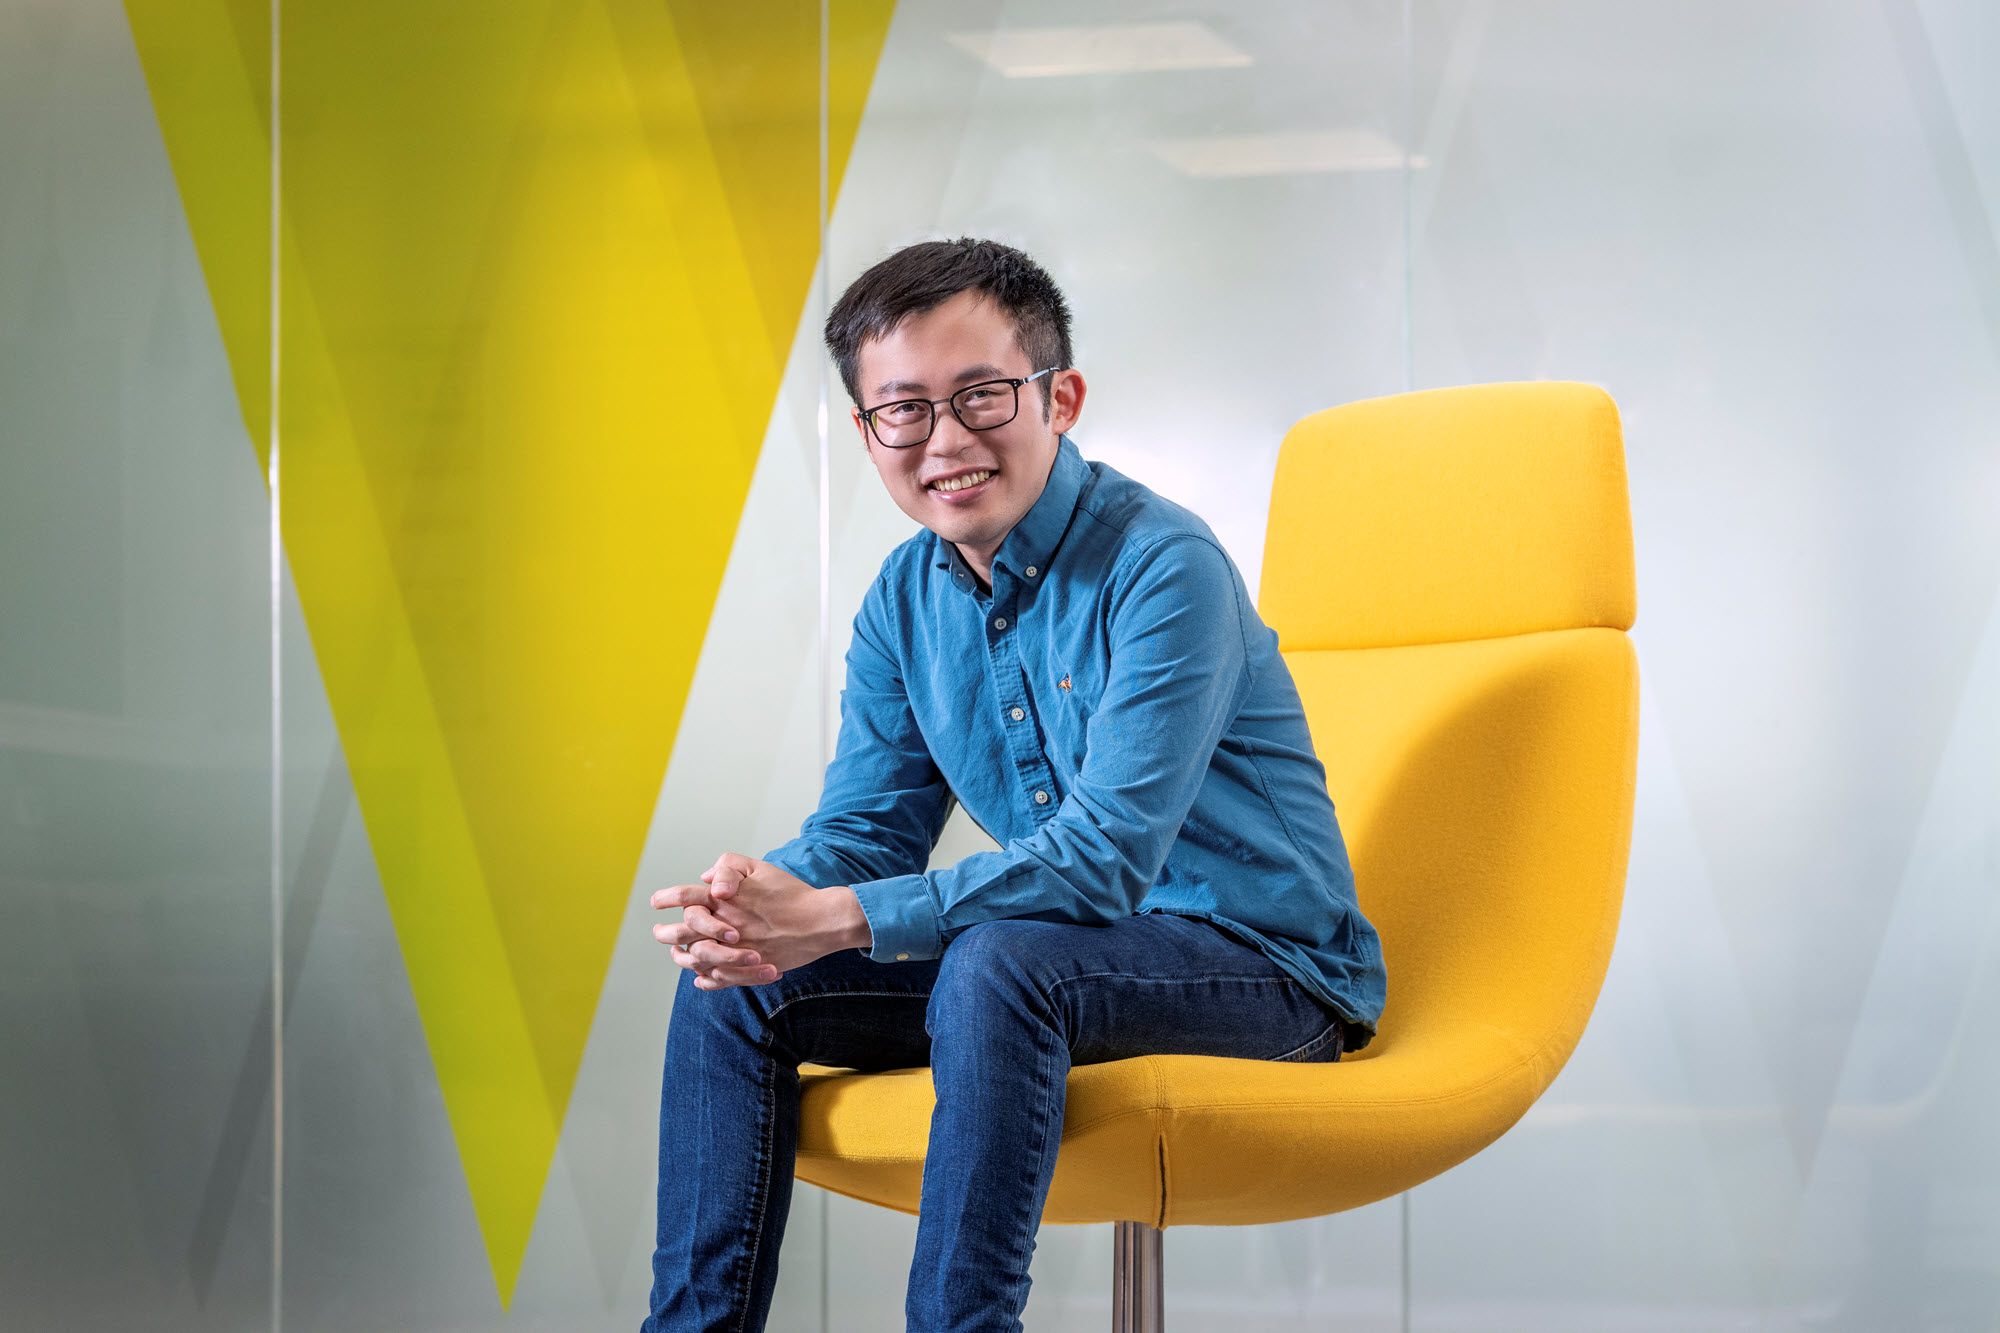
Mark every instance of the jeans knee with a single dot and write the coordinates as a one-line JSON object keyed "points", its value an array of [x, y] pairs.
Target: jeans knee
{"points": [[992, 962], [732, 1009]]}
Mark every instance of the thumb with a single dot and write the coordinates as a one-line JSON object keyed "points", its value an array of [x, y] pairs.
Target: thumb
{"points": [[729, 871]]}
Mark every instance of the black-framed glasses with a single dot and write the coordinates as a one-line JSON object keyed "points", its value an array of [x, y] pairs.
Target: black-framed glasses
{"points": [[987, 405]]}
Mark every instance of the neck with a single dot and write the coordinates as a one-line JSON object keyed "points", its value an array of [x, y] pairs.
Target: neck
{"points": [[979, 561]]}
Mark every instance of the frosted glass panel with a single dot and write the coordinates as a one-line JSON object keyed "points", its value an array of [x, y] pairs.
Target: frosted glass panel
{"points": [[548, 459], [1767, 231], [135, 704], [1229, 236], [550, 291]]}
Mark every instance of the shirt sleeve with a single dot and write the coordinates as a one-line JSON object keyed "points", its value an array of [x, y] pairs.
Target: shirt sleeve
{"points": [[884, 802], [1178, 674]]}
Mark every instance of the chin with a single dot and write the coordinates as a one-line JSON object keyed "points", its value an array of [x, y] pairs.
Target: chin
{"points": [[961, 533]]}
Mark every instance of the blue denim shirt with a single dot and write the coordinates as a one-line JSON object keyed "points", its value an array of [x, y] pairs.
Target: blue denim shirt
{"points": [[1115, 716]]}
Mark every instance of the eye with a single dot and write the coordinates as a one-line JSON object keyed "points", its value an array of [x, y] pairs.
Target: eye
{"points": [[901, 414], [977, 394]]}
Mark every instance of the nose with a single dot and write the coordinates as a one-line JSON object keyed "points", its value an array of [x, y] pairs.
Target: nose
{"points": [[948, 435]]}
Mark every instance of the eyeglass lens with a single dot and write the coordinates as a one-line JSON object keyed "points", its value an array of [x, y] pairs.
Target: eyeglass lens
{"points": [[977, 406]]}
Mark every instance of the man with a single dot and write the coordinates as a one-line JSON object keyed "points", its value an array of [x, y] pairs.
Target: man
{"points": [[1077, 662]]}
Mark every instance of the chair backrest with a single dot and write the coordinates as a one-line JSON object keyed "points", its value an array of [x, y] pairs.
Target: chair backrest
{"points": [[1450, 575]]}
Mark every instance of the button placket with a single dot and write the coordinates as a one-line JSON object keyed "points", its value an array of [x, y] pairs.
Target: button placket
{"points": [[1023, 743]]}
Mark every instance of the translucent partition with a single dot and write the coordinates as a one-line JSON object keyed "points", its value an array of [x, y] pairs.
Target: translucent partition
{"points": [[135, 714], [546, 267], [1768, 230], [571, 521], [1219, 191]]}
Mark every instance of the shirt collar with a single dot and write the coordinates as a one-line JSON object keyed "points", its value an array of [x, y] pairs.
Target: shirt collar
{"points": [[1033, 540]]}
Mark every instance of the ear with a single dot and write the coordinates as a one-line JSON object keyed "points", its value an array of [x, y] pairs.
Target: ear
{"points": [[1066, 400], [860, 426]]}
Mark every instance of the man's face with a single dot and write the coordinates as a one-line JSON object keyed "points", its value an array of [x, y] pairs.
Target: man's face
{"points": [[969, 487]]}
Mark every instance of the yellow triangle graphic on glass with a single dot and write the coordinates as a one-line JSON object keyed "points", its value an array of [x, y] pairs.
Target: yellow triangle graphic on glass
{"points": [[542, 264]]}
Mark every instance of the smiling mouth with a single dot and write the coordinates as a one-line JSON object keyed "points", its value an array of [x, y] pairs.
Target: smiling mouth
{"points": [[962, 481]]}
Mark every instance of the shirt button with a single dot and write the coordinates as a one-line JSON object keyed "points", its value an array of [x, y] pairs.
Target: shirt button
{"points": [[1029, 571], [1018, 714], [1041, 798], [902, 958], [1000, 622]]}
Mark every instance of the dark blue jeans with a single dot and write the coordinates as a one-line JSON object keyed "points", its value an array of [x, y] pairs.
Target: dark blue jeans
{"points": [[999, 1019]]}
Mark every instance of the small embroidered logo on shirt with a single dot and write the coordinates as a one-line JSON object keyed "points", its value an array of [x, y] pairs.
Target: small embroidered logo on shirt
{"points": [[1063, 683]]}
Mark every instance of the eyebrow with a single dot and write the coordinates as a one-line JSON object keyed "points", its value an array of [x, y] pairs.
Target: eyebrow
{"points": [[970, 375]]}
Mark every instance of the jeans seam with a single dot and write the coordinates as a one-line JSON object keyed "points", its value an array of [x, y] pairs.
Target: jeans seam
{"points": [[846, 994], [1202, 979], [1044, 1169], [1295, 1056], [746, 1289], [1298, 1055]]}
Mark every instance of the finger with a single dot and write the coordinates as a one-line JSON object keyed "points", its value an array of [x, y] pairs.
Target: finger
{"points": [[701, 921], [729, 870], [676, 950], [731, 916], [728, 865], [680, 936], [722, 977], [706, 953], [681, 940], [681, 895]]}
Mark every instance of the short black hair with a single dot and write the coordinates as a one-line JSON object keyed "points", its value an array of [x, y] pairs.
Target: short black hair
{"points": [[924, 276]]}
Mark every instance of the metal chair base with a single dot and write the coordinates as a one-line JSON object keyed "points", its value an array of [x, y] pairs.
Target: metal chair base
{"points": [[1138, 1281]]}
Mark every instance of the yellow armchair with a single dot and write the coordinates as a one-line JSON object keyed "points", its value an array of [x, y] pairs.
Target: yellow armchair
{"points": [[1450, 576]]}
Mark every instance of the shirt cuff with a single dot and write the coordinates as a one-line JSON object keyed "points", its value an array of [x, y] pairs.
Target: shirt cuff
{"points": [[901, 918]]}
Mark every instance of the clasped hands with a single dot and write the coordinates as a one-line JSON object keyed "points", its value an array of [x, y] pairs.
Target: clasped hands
{"points": [[748, 922]]}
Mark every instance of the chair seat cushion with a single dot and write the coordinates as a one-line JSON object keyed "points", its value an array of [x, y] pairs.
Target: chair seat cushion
{"points": [[1486, 792], [1196, 1140]]}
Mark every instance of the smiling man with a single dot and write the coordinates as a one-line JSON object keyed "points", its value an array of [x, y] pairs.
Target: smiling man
{"points": [[1076, 661]]}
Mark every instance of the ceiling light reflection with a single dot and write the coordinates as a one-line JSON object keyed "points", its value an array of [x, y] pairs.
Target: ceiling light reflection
{"points": [[1124, 48]]}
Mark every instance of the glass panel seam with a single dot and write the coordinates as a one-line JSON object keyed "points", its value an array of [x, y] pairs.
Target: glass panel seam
{"points": [[1409, 382], [276, 556], [825, 528]]}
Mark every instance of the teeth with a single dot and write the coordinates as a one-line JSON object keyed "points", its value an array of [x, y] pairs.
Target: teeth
{"points": [[960, 483]]}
